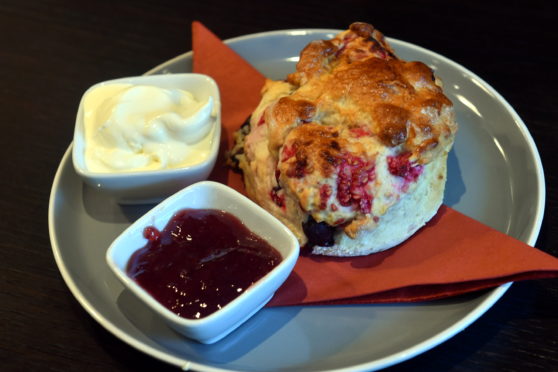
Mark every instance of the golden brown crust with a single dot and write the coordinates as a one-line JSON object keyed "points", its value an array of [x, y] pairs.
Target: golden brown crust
{"points": [[348, 134], [391, 123], [396, 100], [313, 61]]}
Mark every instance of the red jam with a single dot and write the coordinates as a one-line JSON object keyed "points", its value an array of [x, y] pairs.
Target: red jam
{"points": [[202, 260]]}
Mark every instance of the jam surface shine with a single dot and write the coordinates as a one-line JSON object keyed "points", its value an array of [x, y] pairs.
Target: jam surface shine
{"points": [[202, 260]]}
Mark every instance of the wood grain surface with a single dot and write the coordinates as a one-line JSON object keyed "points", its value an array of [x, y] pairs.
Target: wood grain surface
{"points": [[52, 50]]}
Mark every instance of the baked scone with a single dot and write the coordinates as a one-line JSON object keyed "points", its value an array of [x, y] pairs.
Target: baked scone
{"points": [[350, 151]]}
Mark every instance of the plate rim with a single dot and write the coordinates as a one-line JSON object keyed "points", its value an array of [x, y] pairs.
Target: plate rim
{"points": [[491, 298]]}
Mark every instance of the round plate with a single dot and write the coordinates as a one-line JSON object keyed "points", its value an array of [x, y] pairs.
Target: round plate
{"points": [[495, 175]]}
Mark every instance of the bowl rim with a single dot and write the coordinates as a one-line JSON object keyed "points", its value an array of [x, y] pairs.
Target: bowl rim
{"points": [[286, 265], [79, 141]]}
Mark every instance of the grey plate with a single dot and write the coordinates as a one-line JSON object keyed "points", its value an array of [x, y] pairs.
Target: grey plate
{"points": [[495, 175]]}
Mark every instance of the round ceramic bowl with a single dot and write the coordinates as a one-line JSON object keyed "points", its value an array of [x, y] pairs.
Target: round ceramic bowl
{"points": [[135, 187], [209, 195]]}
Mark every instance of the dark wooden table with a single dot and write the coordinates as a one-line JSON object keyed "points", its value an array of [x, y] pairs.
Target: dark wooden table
{"points": [[51, 51]]}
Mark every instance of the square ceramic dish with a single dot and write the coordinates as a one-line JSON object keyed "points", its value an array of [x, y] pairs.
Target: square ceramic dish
{"points": [[135, 187], [209, 195]]}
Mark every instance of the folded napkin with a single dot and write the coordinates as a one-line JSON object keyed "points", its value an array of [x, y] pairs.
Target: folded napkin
{"points": [[452, 254]]}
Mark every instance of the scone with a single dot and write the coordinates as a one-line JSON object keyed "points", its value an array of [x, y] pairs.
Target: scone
{"points": [[350, 151]]}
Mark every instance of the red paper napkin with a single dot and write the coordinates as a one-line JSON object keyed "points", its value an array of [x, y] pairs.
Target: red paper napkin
{"points": [[452, 254]]}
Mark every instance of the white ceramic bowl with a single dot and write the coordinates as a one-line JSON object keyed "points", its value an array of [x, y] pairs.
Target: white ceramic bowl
{"points": [[150, 186], [210, 195]]}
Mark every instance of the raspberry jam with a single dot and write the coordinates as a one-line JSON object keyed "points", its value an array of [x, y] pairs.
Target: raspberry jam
{"points": [[202, 260]]}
